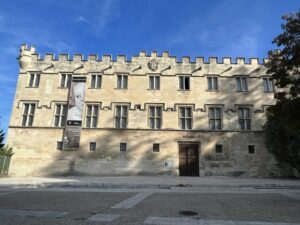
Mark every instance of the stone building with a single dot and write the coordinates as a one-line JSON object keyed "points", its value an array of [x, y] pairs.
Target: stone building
{"points": [[151, 114]]}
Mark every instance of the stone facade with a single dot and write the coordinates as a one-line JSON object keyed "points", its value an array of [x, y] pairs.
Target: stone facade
{"points": [[242, 151]]}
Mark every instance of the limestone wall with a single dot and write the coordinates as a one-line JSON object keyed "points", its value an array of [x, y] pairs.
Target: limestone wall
{"points": [[35, 147]]}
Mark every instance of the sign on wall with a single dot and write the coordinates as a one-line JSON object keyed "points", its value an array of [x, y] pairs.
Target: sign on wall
{"points": [[71, 138]]}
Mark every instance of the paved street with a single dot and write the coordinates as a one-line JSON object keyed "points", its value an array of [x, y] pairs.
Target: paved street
{"points": [[160, 206]]}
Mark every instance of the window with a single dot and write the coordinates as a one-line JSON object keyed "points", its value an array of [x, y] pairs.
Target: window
{"points": [[65, 80], [251, 149], [59, 145], [96, 81], [34, 80], [241, 84], [121, 116], [215, 118], [123, 147], [244, 118], [122, 82], [92, 116], [155, 117], [185, 118], [212, 83], [92, 146], [184, 83], [60, 115], [219, 148], [28, 114], [154, 82], [155, 147], [268, 85]]}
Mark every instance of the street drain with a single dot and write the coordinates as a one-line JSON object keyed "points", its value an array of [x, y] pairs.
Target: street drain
{"points": [[188, 213]]}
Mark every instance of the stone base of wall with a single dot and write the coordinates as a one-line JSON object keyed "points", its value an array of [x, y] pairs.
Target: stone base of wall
{"points": [[36, 153]]}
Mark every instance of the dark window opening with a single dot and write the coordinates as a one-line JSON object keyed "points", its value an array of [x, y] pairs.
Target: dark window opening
{"points": [[155, 147], [59, 145], [251, 149], [219, 148], [123, 147], [92, 146]]}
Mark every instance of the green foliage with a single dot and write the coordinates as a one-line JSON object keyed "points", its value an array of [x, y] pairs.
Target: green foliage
{"points": [[284, 64], [4, 149], [8, 151], [283, 119], [1, 139], [282, 135]]}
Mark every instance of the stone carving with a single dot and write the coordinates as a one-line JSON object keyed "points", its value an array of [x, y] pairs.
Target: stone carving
{"points": [[153, 64]]}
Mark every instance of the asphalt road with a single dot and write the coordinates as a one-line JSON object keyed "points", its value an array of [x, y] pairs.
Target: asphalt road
{"points": [[138, 207]]}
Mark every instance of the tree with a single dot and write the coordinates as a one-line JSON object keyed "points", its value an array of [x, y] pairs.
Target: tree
{"points": [[1, 139], [283, 119]]}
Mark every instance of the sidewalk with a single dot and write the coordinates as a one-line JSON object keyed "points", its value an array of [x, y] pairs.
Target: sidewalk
{"points": [[148, 182]]}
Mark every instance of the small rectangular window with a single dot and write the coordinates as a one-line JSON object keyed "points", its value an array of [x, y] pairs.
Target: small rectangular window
{"points": [[155, 147], [268, 85], [185, 118], [122, 82], [92, 146], [212, 83], [241, 84], [184, 82], [92, 116], [96, 81], [34, 80], [219, 148], [65, 80], [154, 82], [251, 149], [123, 147], [59, 145], [28, 114]]}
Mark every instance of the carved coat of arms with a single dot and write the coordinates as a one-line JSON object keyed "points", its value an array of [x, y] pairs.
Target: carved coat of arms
{"points": [[153, 64]]}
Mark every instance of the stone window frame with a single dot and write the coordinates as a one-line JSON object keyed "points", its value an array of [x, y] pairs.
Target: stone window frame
{"points": [[182, 85], [243, 120], [93, 116], [121, 117], [214, 118], [98, 81], [185, 118], [210, 78], [61, 117], [268, 85], [34, 79], [240, 85], [120, 81], [29, 114], [65, 79], [155, 85], [155, 117], [59, 145]]}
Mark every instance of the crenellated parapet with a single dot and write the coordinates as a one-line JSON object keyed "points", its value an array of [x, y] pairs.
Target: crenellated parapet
{"points": [[141, 64]]}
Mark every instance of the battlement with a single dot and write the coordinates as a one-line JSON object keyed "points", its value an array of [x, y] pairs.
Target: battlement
{"points": [[165, 57]]}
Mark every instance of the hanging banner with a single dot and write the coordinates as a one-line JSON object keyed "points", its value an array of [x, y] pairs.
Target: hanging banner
{"points": [[71, 138]]}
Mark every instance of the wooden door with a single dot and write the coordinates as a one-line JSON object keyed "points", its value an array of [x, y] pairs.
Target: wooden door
{"points": [[188, 159]]}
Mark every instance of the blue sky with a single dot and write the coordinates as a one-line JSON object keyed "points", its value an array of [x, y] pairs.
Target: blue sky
{"points": [[182, 27]]}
